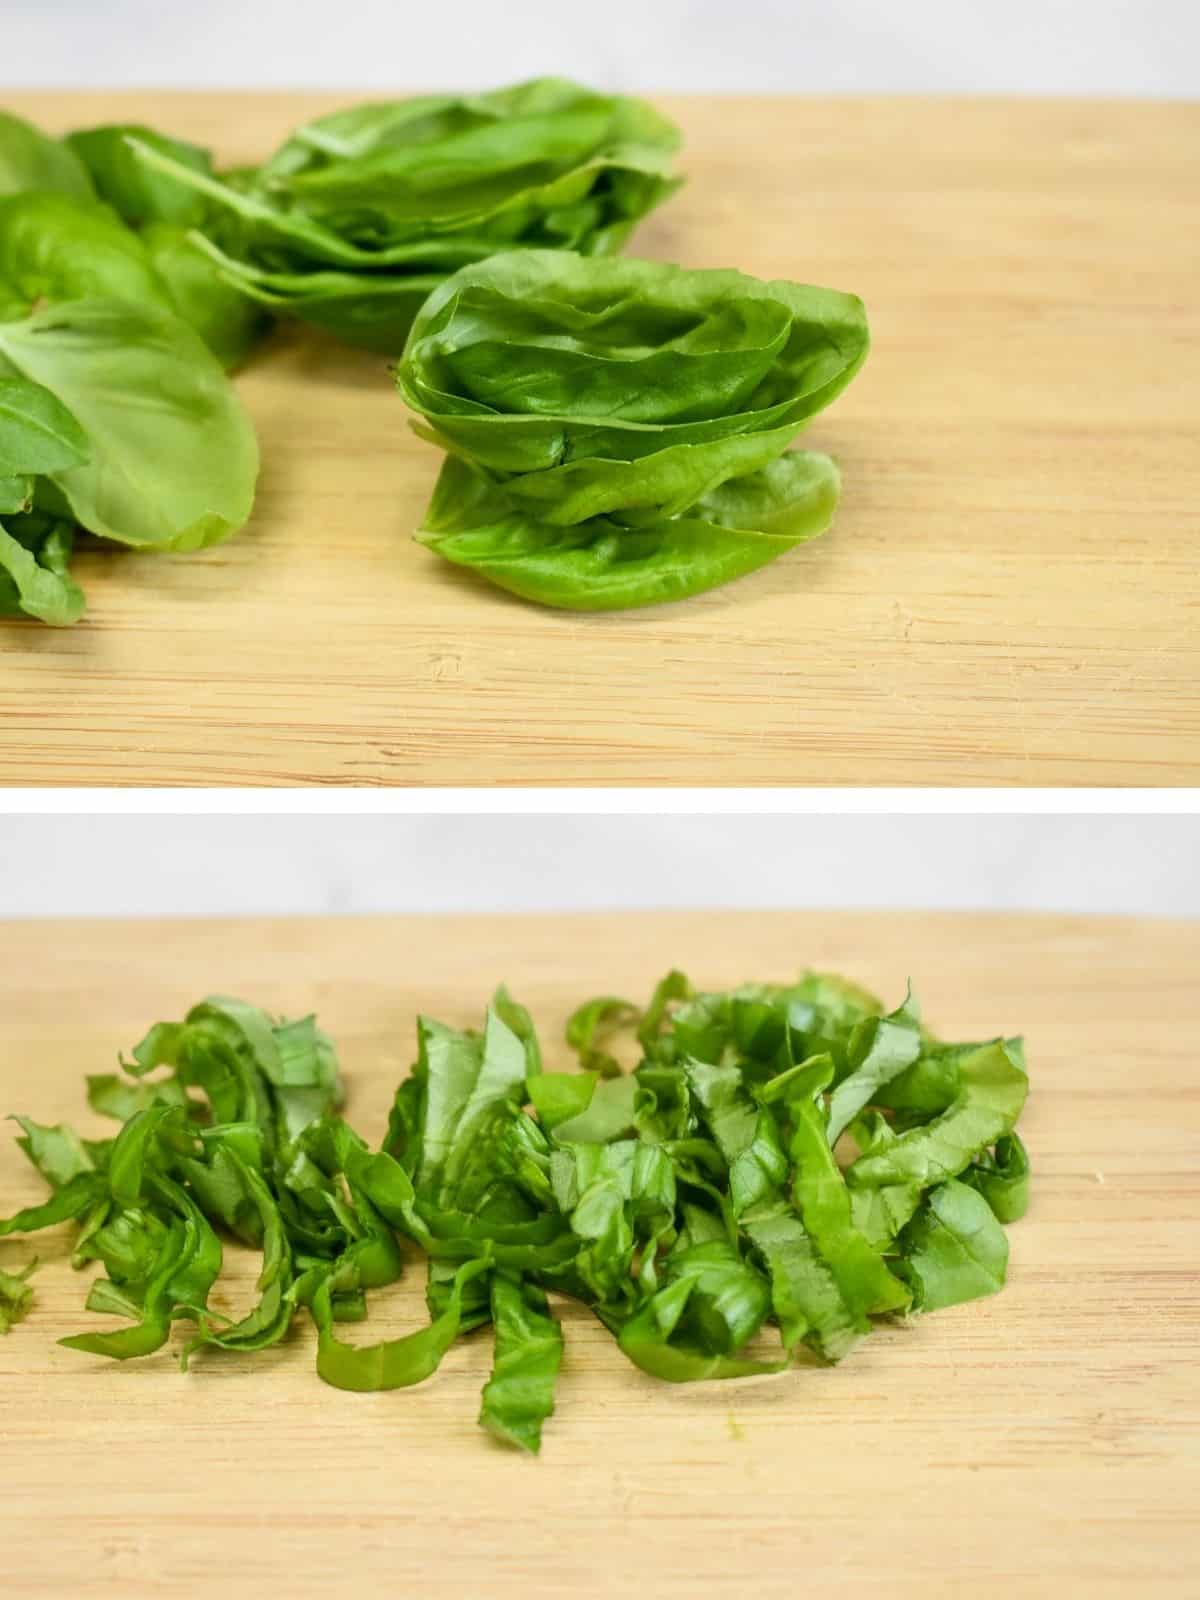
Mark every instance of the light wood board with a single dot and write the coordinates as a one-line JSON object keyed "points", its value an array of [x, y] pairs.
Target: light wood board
{"points": [[1045, 1441], [1010, 595]]}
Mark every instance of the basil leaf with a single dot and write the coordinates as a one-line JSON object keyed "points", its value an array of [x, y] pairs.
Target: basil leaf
{"points": [[713, 1303], [37, 432], [187, 1263], [150, 1332], [57, 1152], [163, 211], [519, 1395], [674, 986], [34, 557], [805, 1297], [558, 1097], [745, 1133], [173, 456], [881, 1049], [37, 435], [954, 1249], [823, 1203], [517, 1018], [271, 1317], [229, 321], [466, 1077], [55, 249], [1002, 1178], [602, 566], [16, 496], [689, 1204], [476, 1308], [72, 1200], [16, 1296], [592, 1024], [29, 160], [136, 192], [360, 214], [617, 429], [111, 1096], [608, 1115], [991, 1093], [395, 1363]]}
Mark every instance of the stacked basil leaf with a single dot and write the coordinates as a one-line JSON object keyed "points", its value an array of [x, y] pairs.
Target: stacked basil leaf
{"points": [[617, 429], [358, 215], [115, 415], [784, 1161]]}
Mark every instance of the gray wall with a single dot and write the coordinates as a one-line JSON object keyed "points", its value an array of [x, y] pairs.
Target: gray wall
{"points": [[1142, 47], [190, 865]]}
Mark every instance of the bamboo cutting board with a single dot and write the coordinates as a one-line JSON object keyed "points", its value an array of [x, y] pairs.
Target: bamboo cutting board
{"points": [[1010, 594], [1042, 1442]]}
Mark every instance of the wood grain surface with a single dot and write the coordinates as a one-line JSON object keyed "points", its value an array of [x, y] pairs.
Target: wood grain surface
{"points": [[1010, 594], [1045, 1441]]}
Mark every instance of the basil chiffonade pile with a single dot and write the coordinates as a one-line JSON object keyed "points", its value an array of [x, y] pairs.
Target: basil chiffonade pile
{"points": [[785, 1166], [616, 430]]}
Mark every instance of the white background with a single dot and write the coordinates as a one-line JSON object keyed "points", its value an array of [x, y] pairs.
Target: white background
{"points": [[192, 865], [1144, 47]]}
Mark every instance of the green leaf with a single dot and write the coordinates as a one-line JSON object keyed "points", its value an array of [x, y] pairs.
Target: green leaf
{"points": [[557, 1097], [395, 1363], [745, 1134], [37, 432], [954, 1249], [135, 1154], [269, 1320], [1002, 1178], [35, 553], [519, 1395], [516, 1017], [712, 1305], [608, 1114], [388, 1187], [476, 1308], [827, 1279], [16, 1296], [112, 1096], [465, 1077], [881, 1048], [160, 212], [187, 1263], [302, 1069], [360, 214], [675, 986], [137, 192], [592, 1024], [601, 566], [72, 1200], [617, 429], [16, 496], [55, 250], [992, 1090], [699, 356], [928, 1087], [149, 1333], [230, 323], [57, 1152], [173, 455], [30, 159], [218, 1179], [690, 1204]]}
